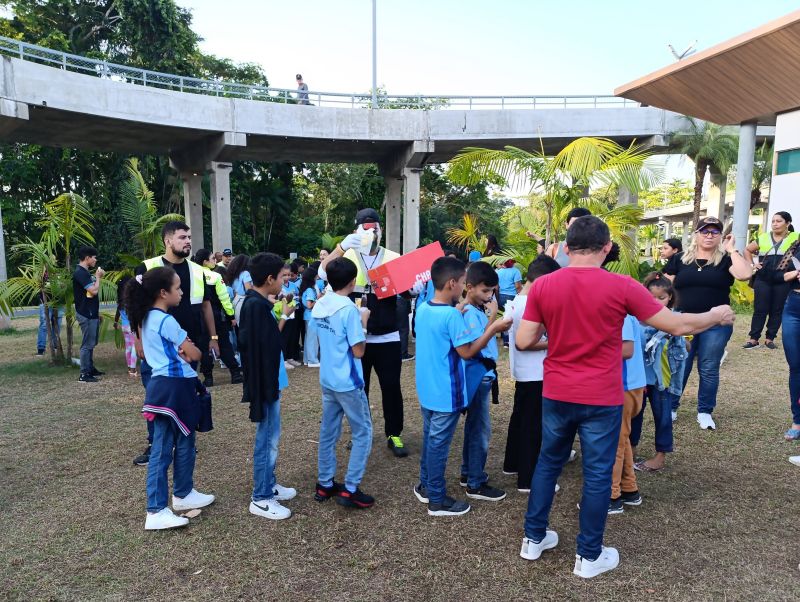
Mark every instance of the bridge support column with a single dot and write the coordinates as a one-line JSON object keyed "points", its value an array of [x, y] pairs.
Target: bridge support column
{"points": [[716, 195], [667, 229], [393, 200], [410, 209], [744, 183], [193, 206], [684, 233], [221, 236]]}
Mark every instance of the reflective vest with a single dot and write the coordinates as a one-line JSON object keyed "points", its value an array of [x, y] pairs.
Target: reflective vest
{"points": [[197, 291], [215, 279], [362, 280], [765, 244]]}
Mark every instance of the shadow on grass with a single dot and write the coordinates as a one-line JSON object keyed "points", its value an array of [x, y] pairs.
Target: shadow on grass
{"points": [[35, 368]]}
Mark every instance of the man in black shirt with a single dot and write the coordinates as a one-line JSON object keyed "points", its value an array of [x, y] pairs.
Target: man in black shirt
{"points": [[85, 291]]}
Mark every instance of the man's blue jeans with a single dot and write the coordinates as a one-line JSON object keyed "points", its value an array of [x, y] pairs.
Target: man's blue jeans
{"points": [[708, 347], [336, 405], [791, 348], [41, 337], [477, 432], [437, 433], [311, 343], [168, 443], [661, 405], [265, 452], [598, 429]]}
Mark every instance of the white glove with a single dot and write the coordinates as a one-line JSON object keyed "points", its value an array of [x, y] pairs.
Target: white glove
{"points": [[417, 289], [351, 241]]}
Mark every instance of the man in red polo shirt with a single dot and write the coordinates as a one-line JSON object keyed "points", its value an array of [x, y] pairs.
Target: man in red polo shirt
{"points": [[583, 308]]}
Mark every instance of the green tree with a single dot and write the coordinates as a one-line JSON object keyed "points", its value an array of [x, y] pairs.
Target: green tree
{"points": [[710, 146]]}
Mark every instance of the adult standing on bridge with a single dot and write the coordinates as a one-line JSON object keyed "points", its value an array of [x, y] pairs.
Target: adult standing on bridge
{"points": [[302, 90], [194, 309], [383, 338]]}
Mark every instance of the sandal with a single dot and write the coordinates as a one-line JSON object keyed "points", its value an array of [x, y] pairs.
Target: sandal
{"points": [[643, 467], [792, 435]]}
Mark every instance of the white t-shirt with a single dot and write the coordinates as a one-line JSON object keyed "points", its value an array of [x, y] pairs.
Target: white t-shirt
{"points": [[526, 366]]}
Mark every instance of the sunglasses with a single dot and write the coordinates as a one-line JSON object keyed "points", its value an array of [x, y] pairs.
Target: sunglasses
{"points": [[710, 233]]}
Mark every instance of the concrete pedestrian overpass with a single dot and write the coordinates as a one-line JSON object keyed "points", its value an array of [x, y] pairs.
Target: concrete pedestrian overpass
{"points": [[56, 99]]}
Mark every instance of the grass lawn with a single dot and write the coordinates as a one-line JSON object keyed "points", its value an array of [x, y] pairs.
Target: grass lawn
{"points": [[719, 524]]}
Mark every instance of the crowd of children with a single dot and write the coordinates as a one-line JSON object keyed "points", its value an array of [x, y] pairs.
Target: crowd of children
{"points": [[581, 361]]}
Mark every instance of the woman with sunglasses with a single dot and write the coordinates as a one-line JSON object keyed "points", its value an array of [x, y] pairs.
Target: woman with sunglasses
{"points": [[703, 276]]}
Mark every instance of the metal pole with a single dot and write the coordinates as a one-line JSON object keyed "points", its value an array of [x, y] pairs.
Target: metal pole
{"points": [[374, 55], [744, 183]]}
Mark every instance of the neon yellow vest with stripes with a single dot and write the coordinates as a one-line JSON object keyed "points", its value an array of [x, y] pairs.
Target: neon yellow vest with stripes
{"points": [[765, 243], [361, 278], [197, 291]]}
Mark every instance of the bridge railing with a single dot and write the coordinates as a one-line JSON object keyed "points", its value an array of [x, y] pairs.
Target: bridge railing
{"points": [[179, 83]]}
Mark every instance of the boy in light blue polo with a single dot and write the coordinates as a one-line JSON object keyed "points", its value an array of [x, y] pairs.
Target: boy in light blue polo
{"points": [[443, 341], [341, 331], [510, 284]]}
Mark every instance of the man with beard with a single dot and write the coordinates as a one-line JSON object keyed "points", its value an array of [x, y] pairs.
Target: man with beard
{"points": [[194, 310]]}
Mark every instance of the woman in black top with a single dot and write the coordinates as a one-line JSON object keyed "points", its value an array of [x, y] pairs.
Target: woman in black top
{"points": [[703, 276]]}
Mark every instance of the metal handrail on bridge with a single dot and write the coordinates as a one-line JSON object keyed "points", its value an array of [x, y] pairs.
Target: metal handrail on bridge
{"points": [[180, 83]]}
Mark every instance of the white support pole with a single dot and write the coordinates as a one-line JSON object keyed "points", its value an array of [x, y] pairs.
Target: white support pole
{"points": [[221, 234], [744, 183], [193, 206], [393, 199], [684, 233], [410, 209], [3, 266]]}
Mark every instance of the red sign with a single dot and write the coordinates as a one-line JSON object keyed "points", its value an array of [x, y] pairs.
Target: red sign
{"points": [[401, 274]]}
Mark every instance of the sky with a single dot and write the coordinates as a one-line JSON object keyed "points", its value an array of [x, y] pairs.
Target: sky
{"points": [[472, 47]]}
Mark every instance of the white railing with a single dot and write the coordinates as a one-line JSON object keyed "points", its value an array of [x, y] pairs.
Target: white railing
{"points": [[179, 83]]}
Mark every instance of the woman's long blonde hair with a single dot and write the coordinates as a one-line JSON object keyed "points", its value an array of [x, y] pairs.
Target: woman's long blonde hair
{"points": [[690, 254]]}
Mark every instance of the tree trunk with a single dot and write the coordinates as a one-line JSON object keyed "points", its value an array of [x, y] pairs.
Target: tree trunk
{"points": [[700, 167], [548, 235], [755, 197]]}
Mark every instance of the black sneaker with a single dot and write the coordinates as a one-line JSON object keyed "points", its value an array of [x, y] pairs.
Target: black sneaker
{"points": [[770, 345], [463, 480], [359, 499], [395, 443], [751, 345], [88, 378], [407, 357], [615, 506], [421, 493], [323, 494], [486, 492], [96, 372], [448, 507], [144, 458], [237, 378], [631, 498], [40, 352], [208, 381]]}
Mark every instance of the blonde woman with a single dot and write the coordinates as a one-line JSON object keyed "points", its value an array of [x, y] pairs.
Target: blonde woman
{"points": [[703, 276]]}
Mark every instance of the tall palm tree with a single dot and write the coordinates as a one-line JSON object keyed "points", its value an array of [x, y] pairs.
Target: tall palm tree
{"points": [[762, 171], [708, 145]]}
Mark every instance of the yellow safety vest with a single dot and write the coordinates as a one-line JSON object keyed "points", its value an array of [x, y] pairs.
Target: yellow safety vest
{"points": [[362, 280], [765, 244], [197, 291], [215, 279]]}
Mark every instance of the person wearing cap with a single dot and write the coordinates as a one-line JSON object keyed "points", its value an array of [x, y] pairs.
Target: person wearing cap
{"points": [[383, 337], [227, 257], [703, 275], [302, 90]]}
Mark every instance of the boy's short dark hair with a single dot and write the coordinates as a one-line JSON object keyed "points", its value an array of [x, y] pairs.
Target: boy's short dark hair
{"points": [[675, 244], [613, 254], [445, 269], [171, 227], [481, 272], [587, 234], [341, 272], [294, 267], [85, 252], [541, 266], [578, 212], [263, 265]]}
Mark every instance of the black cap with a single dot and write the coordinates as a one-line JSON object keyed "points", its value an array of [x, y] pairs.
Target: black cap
{"points": [[227, 252], [365, 216], [708, 221]]}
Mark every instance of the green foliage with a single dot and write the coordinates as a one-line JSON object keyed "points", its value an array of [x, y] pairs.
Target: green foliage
{"points": [[742, 297], [668, 194]]}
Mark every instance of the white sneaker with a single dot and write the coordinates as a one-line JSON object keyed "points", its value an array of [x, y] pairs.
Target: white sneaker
{"points": [[312, 365], [674, 416], [295, 363], [195, 499], [706, 422], [522, 490], [283, 494], [795, 460], [607, 561], [271, 509], [288, 366], [164, 519], [532, 551], [572, 455]]}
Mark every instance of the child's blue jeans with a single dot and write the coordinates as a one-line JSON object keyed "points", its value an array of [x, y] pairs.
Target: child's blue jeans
{"points": [[265, 452], [169, 443], [477, 433], [661, 405], [336, 405], [437, 433]]}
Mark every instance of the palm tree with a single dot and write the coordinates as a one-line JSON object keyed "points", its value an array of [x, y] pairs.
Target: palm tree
{"points": [[762, 171], [468, 235], [561, 179], [708, 145]]}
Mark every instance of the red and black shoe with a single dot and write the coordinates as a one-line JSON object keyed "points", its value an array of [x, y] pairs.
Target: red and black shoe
{"points": [[359, 499], [323, 494]]}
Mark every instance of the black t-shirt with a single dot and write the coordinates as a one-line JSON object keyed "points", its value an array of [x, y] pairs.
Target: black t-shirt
{"points": [[85, 305], [190, 317], [700, 286]]}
